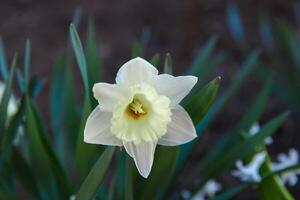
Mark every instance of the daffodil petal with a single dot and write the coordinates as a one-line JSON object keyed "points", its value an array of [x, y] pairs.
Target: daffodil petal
{"points": [[143, 155], [97, 129], [107, 95], [136, 71], [180, 130], [176, 88]]}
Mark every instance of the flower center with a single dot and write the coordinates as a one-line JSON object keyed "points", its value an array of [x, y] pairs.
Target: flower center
{"points": [[136, 109], [142, 115]]}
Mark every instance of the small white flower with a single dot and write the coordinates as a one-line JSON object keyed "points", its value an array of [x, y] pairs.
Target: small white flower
{"points": [[12, 103], [185, 194], [209, 190], [285, 161], [72, 197], [19, 136], [255, 128], [250, 172], [140, 111]]}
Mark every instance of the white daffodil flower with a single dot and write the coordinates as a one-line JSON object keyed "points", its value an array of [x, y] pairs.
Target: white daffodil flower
{"points": [[285, 161], [250, 172], [209, 190], [140, 111], [255, 128]]}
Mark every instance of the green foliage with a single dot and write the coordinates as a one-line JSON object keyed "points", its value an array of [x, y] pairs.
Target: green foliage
{"points": [[96, 175], [51, 160]]}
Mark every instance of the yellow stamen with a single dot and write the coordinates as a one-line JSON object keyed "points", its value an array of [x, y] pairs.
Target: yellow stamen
{"points": [[136, 109]]}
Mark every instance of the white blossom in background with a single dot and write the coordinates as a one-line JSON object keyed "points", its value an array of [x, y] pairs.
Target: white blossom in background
{"points": [[12, 109], [140, 111], [12, 103], [209, 190], [288, 160], [255, 128], [185, 194], [250, 172], [72, 197]]}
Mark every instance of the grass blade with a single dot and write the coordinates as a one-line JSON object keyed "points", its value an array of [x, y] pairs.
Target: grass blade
{"points": [[80, 57], [27, 59]]}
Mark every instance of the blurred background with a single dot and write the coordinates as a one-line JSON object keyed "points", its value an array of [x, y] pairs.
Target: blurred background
{"points": [[181, 28]]}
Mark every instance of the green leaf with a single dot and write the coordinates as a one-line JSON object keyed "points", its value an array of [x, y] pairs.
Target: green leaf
{"points": [[240, 78], [251, 116], [168, 67], [232, 192], [128, 179], [155, 60], [137, 50], [80, 57], [71, 115], [164, 164], [3, 65], [45, 163], [255, 111], [92, 55], [83, 163], [202, 59], [92, 182], [271, 187], [199, 105], [238, 151], [24, 173], [27, 59], [6, 97], [57, 93], [5, 196]]}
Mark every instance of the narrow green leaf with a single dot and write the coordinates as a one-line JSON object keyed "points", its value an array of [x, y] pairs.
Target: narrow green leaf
{"points": [[84, 163], [24, 173], [202, 59], [71, 115], [21, 80], [145, 37], [92, 182], [6, 97], [80, 57], [252, 115], [255, 111], [231, 193], [137, 50], [164, 164], [199, 105], [155, 60], [92, 55], [27, 59], [239, 151], [235, 23], [3, 65], [128, 179], [271, 187], [240, 78], [168, 67], [57, 92], [46, 165]]}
